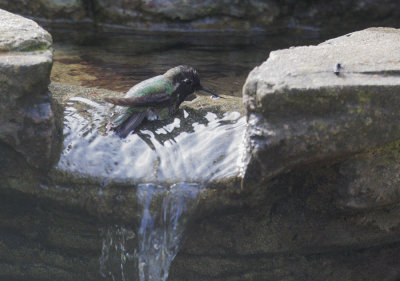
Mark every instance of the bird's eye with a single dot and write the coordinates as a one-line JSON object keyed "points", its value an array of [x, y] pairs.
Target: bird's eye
{"points": [[187, 81]]}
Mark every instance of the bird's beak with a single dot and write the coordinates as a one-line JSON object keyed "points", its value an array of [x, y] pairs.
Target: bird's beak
{"points": [[209, 91]]}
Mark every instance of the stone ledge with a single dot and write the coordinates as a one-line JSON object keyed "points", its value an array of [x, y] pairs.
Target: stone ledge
{"points": [[26, 108], [21, 34], [300, 111]]}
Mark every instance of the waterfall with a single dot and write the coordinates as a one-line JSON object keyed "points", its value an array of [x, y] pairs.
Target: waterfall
{"points": [[191, 148], [146, 254]]}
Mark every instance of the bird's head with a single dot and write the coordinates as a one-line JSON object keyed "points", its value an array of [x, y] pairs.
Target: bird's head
{"points": [[186, 80]]}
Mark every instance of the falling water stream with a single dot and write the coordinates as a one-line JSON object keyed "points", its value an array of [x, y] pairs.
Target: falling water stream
{"points": [[146, 253]]}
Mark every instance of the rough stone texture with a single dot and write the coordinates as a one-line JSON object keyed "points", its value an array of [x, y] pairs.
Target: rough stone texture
{"points": [[314, 223], [193, 9], [26, 115], [153, 13], [320, 170], [18, 34], [49, 9], [179, 14], [301, 112], [215, 15]]}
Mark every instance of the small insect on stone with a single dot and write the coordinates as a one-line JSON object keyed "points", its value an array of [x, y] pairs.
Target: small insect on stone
{"points": [[156, 98], [337, 69]]}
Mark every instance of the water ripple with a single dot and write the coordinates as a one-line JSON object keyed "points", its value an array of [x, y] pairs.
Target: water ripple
{"points": [[185, 148]]}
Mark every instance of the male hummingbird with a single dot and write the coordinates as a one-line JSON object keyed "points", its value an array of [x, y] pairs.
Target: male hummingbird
{"points": [[156, 98]]}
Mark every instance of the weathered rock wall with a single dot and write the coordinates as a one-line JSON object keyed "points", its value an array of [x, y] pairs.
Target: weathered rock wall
{"points": [[320, 166], [29, 140], [219, 15], [26, 114]]}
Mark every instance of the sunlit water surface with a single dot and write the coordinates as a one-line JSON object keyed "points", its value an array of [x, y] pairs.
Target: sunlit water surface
{"points": [[207, 151]]}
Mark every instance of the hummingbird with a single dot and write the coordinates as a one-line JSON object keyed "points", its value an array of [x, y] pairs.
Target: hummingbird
{"points": [[156, 98]]}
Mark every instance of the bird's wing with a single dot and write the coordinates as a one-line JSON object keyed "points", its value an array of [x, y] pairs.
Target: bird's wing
{"points": [[151, 100], [153, 92], [130, 124]]}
